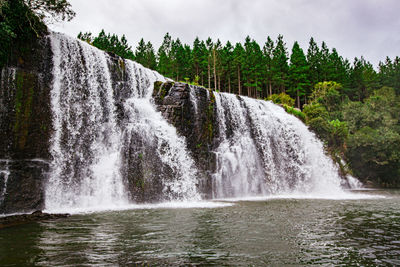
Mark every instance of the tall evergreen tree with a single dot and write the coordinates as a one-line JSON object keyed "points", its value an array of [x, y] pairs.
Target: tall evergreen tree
{"points": [[209, 45], [280, 65], [314, 60], [238, 58], [253, 67], [163, 55], [227, 65], [268, 53], [298, 74], [140, 52]]}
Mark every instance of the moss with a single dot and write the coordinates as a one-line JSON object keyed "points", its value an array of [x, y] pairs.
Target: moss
{"points": [[140, 183], [208, 126], [157, 85], [291, 110], [24, 85], [121, 64], [162, 89]]}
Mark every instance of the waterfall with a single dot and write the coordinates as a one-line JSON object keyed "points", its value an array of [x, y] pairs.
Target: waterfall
{"points": [[111, 147], [88, 142], [85, 143], [239, 169], [263, 150], [162, 152], [4, 174]]}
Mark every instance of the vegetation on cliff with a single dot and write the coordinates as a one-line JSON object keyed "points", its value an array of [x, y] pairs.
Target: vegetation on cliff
{"points": [[22, 21]]}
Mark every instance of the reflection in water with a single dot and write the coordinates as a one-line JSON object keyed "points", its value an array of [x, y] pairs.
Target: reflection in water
{"points": [[273, 232]]}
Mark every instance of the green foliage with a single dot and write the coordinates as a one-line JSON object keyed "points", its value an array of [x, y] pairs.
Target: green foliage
{"points": [[374, 154], [145, 54], [51, 10], [320, 127], [328, 94], [338, 132], [22, 21], [315, 110], [368, 133], [298, 74], [296, 112], [282, 98], [109, 43], [18, 25]]}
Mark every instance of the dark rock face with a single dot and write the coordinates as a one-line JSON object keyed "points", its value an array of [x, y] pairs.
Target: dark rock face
{"points": [[191, 110], [25, 127], [24, 188], [143, 179]]}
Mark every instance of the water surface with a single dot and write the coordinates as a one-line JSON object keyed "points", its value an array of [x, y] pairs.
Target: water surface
{"points": [[260, 232]]}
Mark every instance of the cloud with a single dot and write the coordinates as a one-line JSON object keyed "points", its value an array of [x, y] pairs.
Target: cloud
{"points": [[358, 27]]}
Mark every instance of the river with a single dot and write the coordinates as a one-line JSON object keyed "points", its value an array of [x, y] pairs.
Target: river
{"points": [[271, 231]]}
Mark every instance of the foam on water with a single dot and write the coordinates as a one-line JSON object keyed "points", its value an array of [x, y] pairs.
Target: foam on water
{"points": [[343, 196], [163, 205]]}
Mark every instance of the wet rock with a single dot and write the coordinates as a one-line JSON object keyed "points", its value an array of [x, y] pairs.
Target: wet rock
{"points": [[25, 127], [13, 220], [191, 110]]}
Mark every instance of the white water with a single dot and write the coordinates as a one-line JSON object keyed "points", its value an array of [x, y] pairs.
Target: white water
{"points": [[4, 173], [239, 170], [144, 120], [264, 137], [87, 142]]}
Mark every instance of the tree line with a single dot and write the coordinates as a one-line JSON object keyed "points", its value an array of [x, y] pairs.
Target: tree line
{"points": [[257, 71]]}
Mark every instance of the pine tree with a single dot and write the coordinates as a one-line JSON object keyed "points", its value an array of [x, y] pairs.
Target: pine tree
{"points": [[140, 52], [324, 62], [280, 65], [336, 68], [268, 50], [227, 65], [253, 67], [298, 74], [314, 60], [163, 55], [209, 45], [363, 80], [238, 58]]}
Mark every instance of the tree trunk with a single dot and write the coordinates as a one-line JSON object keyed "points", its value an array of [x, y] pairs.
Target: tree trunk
{"points": [[240, 91], [298, 99], [215, 71], [209, 74], [270, 88], [229, 83]]}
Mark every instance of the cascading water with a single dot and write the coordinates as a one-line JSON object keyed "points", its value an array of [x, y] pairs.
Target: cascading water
{"points": [[4, 174], [85, 144], [145, 123], [239, 170], [88, 143], [263, 150]]}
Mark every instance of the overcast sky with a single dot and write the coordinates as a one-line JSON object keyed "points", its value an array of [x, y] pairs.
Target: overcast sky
{"points": [[354, 27]]}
